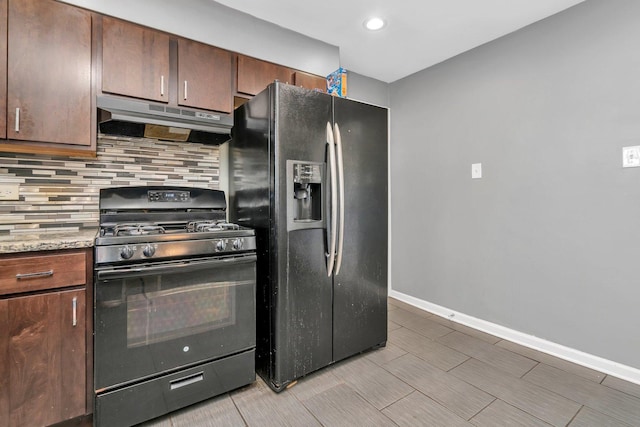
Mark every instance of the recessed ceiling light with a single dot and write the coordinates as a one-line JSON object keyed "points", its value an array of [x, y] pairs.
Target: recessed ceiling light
{"points": [[374, 23]]}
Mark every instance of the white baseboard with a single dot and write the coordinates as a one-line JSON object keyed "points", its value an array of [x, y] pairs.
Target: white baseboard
{"points": [[609, 367]]}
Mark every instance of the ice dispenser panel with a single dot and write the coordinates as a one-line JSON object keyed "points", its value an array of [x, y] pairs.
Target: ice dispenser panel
{"points": [[305, 195]]}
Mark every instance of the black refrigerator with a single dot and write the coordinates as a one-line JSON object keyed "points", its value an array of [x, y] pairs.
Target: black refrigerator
{"points": [[308, 172]]}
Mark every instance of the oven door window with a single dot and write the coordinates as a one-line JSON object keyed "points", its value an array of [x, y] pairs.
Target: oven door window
{"points": [[158, 310], [156, 318]]}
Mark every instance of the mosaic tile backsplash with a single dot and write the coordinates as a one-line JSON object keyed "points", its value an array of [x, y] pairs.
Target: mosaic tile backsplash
{"points": [[61, 194]]}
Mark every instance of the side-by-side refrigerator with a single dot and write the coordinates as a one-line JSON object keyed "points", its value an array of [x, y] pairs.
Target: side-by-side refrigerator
{"points": [[308, 171]]}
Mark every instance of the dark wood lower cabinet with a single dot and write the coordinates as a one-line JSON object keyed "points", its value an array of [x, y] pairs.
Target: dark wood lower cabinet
{"points": [[42, 358]]}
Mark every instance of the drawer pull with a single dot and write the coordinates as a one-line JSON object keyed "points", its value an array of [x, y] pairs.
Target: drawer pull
{"points": [[20, 276], [74, 304], [182, 382]]}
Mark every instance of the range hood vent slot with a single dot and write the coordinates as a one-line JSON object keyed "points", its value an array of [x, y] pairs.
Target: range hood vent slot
{"points": [[127, 117]]}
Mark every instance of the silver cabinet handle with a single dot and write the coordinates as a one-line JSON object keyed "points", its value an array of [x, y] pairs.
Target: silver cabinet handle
{"points": [[20, 276], [17, 119], [334, 200], [185, 90], [74, 304], [161, 85], [338, 139]]}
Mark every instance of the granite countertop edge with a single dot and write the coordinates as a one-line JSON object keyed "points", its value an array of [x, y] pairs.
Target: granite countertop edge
{"points": [[47, 241]]}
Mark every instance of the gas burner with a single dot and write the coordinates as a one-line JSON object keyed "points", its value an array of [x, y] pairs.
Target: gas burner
{"points": [[205, 226], [137, 229]]}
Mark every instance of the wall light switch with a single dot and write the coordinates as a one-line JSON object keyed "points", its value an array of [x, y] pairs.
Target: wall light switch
{"points": [[476, 170], [9, 191], [631, 157]]}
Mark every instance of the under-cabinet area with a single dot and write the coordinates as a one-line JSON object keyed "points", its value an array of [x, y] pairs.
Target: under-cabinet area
{"points": [[45, 336]]}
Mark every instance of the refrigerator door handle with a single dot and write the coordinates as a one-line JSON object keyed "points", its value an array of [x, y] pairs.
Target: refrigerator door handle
{"points": [[338, 140], [331, 246]]}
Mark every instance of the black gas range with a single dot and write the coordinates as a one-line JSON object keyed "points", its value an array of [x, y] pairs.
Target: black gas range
{"points": [[155, 223], [174, 302]]}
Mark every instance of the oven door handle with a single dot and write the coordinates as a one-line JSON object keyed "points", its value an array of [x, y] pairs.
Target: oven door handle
{"points": [[182, 267]]}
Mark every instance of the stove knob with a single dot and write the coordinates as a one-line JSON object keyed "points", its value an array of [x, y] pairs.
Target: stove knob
{"points": [[221, 245], [237, 244], [148, 251], [126, 252]]}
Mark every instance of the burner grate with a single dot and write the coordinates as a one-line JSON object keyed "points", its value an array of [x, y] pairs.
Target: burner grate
{"points": [[205, 226], [137, 229]]}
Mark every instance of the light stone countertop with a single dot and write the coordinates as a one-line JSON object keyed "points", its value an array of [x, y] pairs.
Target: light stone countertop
{"points": [[47, 241]]}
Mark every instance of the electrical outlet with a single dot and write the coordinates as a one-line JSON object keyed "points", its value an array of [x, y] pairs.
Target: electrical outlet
{"points": [[476, 170], [631, 157], [9, 191]]}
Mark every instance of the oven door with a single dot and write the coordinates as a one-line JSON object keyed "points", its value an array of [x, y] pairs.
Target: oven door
{"points": [[155, 318]]}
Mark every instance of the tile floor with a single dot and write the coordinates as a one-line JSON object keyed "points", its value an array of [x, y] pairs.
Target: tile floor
{"points": [[433, 372]]}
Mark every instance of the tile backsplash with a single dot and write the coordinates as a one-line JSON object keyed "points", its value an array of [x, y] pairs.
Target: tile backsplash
{"points": [[61, 193]]}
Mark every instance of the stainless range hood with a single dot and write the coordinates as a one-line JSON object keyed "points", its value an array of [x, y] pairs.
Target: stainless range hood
{"points": [[128, 117]]}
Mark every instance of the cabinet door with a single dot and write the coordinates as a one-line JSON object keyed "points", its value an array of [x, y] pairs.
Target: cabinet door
{"points": [[44, 346], [49, 72], [3, 70], [5, 364], [73, 353], [310, 81], [204, 76], [255, 75], [135, 60]]}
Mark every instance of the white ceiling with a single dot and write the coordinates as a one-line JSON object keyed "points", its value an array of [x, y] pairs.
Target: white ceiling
{"points": [[418, 34]]}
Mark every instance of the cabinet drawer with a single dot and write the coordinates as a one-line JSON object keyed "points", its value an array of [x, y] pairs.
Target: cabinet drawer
{"points": [[26, 273]]}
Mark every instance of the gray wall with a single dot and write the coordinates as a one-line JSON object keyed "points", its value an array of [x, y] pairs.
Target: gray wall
{"points": [[212, 23], [548, 241], [367, 89]]}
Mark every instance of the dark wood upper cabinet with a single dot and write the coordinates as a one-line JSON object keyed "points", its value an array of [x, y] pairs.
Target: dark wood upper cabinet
{"points": [[3, 68], [310, 81], [135, 60], [255, 75], [48, 73], [204, 76]]}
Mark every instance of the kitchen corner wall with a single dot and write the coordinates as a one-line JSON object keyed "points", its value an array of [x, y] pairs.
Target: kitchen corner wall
{"points": [[547, 242], [367, 89], [61, 193]]}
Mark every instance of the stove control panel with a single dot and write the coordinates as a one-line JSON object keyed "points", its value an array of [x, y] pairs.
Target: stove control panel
{"points": [[168, 196], [235, 244], [160, 250]]}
